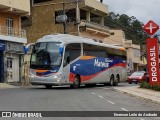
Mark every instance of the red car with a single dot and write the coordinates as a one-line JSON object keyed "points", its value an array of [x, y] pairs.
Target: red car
{"points": [[138, 76]]}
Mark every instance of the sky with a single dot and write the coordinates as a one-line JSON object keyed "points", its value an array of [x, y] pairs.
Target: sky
{"points": [[143, 10]]}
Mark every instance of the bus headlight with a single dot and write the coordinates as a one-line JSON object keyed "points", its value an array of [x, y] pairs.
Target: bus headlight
{"points": [[57, 76], [31, 76]]}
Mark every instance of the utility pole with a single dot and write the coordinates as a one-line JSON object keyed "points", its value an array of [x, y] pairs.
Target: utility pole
{"points": [[77, 15], [63, 18], [32, 3], [64, 23]]}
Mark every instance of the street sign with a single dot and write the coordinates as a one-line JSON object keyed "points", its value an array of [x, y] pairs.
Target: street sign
{"points": [[151, 27], [153, 60]]}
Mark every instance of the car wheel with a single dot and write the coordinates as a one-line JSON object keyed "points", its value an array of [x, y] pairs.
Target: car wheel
{"points": [[76, 83], [48, 86], [130, 82]]}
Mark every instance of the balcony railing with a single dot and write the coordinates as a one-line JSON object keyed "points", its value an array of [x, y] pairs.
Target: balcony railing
{"points": [[94, 26], [9, 31]]}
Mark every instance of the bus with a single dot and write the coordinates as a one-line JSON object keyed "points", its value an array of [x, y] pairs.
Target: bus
{"points": [[62, 59]]}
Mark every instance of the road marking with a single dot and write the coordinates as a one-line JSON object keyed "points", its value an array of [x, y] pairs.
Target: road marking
{"points": [[124, 109], [100, 96], [111, 102], [93, 93], [142, 119]]}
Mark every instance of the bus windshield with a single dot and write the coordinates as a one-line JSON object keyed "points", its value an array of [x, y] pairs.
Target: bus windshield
{"points": [[45, 56]]}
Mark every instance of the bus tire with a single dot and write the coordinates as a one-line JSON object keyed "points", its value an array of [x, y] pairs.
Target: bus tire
{"points": [[116, 81], [48, 86], [76, 83], [111, 80]]}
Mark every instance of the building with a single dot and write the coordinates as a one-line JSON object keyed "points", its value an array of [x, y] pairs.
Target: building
{"points": [[133, 56], [117, 37], [12, 38], [85, 18]]}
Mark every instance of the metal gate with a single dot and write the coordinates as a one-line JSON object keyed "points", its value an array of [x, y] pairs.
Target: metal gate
{"points": [[1, 67]]}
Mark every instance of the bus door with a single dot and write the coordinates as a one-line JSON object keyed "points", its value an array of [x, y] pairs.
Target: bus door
{"points": [[66, 65], [72, 52]]}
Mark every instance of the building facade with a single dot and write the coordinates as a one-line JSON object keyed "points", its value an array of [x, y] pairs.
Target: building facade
{"points": [[133, 56], [85, 18], [12, 38]]}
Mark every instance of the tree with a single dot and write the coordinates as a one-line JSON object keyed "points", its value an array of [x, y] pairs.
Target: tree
{"points": [[132, 27]]}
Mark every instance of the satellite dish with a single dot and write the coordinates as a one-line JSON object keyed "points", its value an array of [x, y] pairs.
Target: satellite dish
{"points": [[61, 18]]}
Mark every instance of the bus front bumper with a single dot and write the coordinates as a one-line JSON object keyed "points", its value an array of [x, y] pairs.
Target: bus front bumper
{"points": [[36, 80]]}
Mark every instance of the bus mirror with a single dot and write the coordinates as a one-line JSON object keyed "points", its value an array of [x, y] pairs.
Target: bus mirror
{"points": [[25, 50], [61, 51], [27, 47]]}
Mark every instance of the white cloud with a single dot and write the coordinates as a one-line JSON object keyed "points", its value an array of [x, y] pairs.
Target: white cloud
{"points": [[143, 10]]}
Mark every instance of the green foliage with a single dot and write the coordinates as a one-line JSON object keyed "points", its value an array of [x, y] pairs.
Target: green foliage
{"points": [[132, 27], [148, 86]]}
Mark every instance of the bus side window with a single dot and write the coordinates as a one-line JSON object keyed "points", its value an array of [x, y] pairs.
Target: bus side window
{"points": [[94, 50], [72, 51]]}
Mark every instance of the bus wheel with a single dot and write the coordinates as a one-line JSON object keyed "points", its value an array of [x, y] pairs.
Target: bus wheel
{"points": [[116, 80], [48, 86], [76, 83], [111, 81]]}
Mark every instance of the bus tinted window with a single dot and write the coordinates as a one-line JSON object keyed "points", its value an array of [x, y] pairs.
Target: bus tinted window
{"points": [[72, 52], [93, 50], [104, 52], [116, 53]]}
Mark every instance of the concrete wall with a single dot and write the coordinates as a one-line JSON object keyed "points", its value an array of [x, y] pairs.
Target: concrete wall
{"points": [[23, 5], [118, 38], [92, 36], [133, 56], [97, 5], [43, 23], [134, 53]]}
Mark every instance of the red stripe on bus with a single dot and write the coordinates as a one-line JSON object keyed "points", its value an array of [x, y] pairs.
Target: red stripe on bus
{"points": [[89, 77]]}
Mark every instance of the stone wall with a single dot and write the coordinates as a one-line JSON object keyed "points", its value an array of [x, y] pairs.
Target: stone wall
{"points": [[43, 22]]}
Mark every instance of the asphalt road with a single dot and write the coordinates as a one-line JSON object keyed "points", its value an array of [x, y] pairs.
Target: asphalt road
{"points": [[99, 98]]}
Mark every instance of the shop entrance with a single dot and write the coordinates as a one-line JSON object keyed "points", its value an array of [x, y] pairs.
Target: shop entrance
{"points": [[12, 68], [1, 67]]}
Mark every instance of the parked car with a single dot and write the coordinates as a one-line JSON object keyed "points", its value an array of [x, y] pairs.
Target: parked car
{"points": [[138, 76]]}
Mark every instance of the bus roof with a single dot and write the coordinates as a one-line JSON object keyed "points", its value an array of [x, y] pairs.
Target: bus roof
{"points": [[66, 38]]}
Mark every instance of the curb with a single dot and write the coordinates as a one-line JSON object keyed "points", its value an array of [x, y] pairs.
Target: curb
{"points": [[7, 86], [139, 96]]}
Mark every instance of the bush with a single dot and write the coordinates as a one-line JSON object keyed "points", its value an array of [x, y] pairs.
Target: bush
{"points": [[144, 85], [148, 86]]}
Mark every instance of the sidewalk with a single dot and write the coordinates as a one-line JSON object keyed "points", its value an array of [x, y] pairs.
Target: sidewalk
{"points": [[5, 86], [140, 92]]}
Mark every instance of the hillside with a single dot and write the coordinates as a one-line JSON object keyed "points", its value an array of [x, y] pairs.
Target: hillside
{"points": [[131, 26]]}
